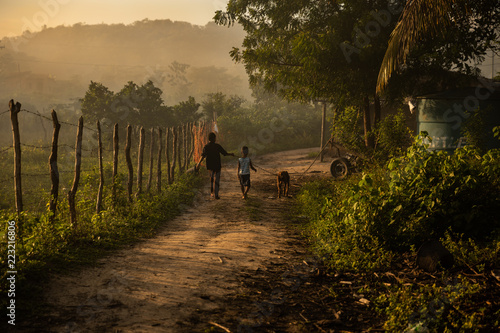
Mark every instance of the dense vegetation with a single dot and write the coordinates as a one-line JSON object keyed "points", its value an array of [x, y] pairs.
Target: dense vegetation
{"points": [[374, 222]]}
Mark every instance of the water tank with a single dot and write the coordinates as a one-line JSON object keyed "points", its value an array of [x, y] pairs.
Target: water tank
{"points": [[442, 115]]}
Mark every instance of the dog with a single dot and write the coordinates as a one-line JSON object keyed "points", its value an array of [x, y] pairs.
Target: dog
{"points": [[283, 180]]}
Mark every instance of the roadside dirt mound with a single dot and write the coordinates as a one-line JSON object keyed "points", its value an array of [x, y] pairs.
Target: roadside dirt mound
{"points": [[193, 276]]}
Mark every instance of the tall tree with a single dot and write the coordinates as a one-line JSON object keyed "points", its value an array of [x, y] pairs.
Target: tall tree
{"points": [[314, 50]]}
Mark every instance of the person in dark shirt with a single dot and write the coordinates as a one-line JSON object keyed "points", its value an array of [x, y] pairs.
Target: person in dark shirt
{"points": [[212, 152]]}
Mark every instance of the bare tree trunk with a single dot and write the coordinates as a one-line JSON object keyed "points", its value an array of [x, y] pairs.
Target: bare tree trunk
{"points": [[151, 159], [54, 171], [76, 180], [167, 154], [129, 163], [158, 163], [174, 154], [140, 162], [116, 143], [14, 110], [98, 205]]}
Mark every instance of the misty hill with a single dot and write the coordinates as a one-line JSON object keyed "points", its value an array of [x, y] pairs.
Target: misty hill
{"points": [[57, 64]]}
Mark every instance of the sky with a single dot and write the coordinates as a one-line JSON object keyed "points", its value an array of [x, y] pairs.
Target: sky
{"points": [[18, 16]]}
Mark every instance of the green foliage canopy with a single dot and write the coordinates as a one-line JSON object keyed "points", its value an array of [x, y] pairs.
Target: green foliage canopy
{"points": [[308, 50]]}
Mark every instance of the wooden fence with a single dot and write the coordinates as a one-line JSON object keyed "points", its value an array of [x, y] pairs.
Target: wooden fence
{"points": [[177, 148]]}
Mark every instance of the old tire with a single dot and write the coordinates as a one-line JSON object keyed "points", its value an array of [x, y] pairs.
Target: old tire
{"points": [[339, 168]]}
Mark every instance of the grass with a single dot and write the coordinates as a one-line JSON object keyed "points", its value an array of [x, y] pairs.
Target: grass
{"points": [[46, 246]]}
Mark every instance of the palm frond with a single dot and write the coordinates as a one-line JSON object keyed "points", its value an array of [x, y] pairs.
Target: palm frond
{"points": [[419, 18]]}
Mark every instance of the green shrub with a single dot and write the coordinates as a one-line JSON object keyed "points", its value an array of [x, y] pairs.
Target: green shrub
{"points": [[432, 308], [391, 137], [364, 221]]}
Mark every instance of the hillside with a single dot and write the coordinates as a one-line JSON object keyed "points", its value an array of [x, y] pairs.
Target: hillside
{"points": [[57, 64]]}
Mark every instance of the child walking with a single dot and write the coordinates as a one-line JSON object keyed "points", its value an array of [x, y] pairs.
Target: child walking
{"points": [[212, 152], [244, 166]]}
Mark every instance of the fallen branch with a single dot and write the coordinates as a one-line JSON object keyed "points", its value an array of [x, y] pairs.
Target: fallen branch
{"points": [[220, 326]]}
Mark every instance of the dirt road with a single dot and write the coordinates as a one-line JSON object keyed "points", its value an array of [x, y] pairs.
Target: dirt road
{"points": [[183, 280]]}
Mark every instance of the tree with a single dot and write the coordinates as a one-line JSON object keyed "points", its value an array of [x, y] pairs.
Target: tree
{"points": [[185, 112], [461, 31], [97, 102], [141, 105], [217, 104], [310, 50]]}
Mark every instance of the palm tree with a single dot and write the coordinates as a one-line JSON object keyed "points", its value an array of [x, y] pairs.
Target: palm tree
{"points": [[419, 18]]}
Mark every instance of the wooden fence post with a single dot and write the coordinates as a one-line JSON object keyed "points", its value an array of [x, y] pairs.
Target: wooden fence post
{"points": [[179, 150], [185, 146], [158, 165], [140, 160], [54, 171], [115, 161], [98, 206], [14, 110], [167, 153], [129, 163], [174, 154], [191, 142], [76, 180], [151, 159]]}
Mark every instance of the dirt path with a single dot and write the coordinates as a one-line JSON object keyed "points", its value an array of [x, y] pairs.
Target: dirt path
{"points": [[186, 276]]}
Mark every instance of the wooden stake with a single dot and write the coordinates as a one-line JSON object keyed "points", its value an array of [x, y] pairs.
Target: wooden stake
{"points": [[140, 161], [129, 163], [167, 154], [76, 179], [14, 110], [98, 206], [54, 171], [151, 159], [174, 154], [115, 160], [158, 165]]}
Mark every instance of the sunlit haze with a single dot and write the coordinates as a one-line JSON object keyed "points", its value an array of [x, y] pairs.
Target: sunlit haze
{"points": [[18, 16]]}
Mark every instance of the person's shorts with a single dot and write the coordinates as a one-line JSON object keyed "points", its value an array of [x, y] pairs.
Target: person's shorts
{"points": [[245, 180]]}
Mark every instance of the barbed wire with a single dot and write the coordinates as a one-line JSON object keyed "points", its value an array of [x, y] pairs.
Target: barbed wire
{"points": [[5, 149], [32, 146], [60, 122], [4, 112]]}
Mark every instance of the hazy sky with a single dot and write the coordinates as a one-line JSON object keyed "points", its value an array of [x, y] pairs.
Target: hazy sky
{"points": [[19, 15]]}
